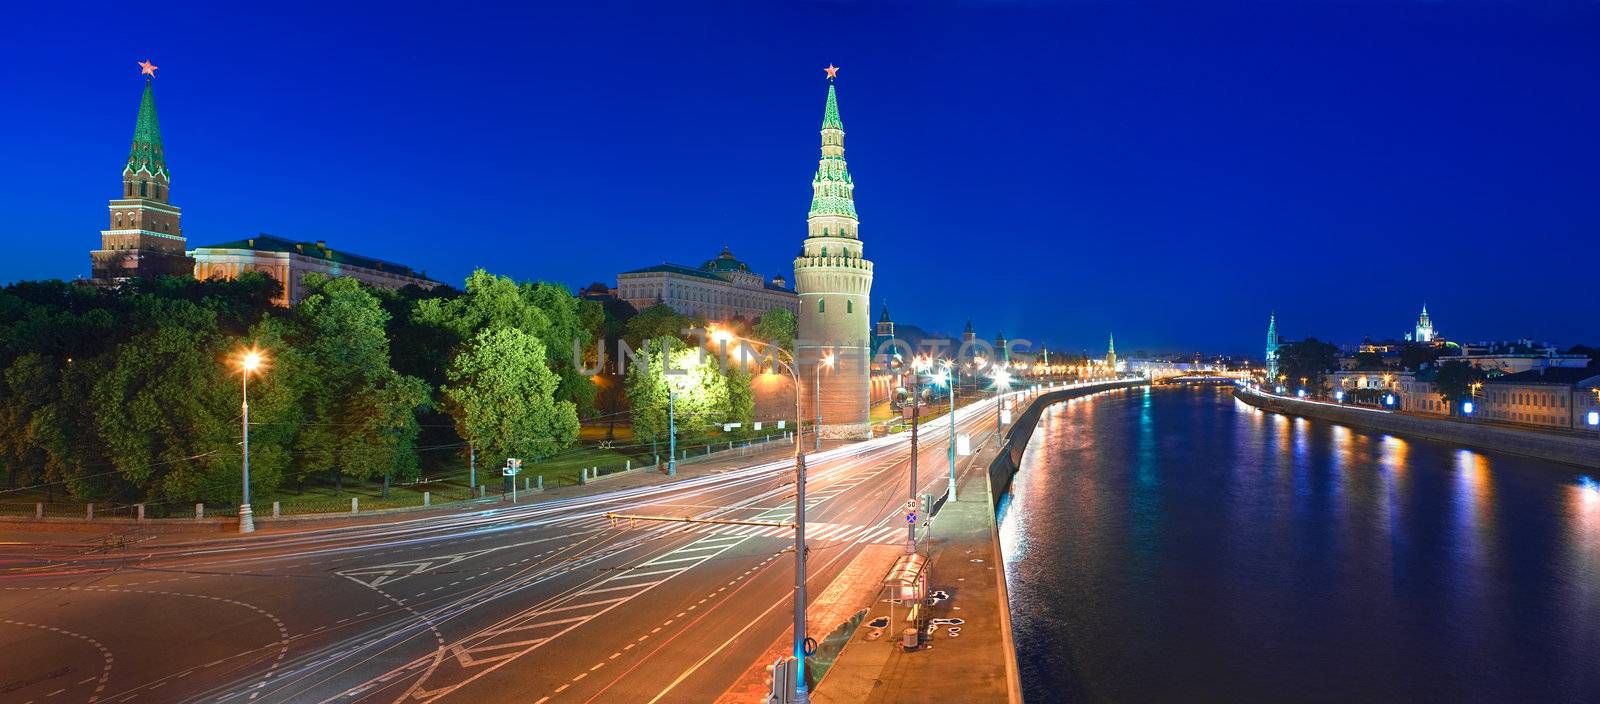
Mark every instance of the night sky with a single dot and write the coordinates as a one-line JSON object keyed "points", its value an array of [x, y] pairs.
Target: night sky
{"points": [[1055, 170]]}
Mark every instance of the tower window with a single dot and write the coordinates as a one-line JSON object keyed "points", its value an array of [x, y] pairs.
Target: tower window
{"points": [[849, 306], [822, 306], [142, 185]]}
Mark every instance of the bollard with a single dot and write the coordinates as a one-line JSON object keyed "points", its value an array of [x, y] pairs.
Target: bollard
{"points": [[527, 483], [482, 491], [88, 511], [140, 508], [426, 499], [539, 485], [199, 511], [627, 466], [355, 504], [583, 475], [730, 444], [277, 509], [38, 510]]}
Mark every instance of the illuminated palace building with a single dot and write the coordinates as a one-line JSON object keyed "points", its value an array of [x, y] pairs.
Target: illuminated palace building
{"points": [[719, 290], [145, 240]]}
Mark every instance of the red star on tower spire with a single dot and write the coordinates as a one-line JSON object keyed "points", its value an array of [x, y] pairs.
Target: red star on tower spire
{"points": [[833, 71], [147, 69]]}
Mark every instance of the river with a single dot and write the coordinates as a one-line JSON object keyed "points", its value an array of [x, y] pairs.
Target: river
{"points": [[1173, 544]]}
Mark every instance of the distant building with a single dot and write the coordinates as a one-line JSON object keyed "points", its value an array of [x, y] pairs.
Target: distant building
{"points": [[883, 335], [1424, 331], [286, 261], [721, 289], [1111, 352], [1554, 397], [1419, 395], [1510, 357], [144, 239]]}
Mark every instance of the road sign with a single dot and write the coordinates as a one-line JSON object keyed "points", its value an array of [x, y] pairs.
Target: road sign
{"points": [[911, 517]]}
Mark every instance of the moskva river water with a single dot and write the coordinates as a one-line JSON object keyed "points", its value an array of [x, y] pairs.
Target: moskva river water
{"points": [[1175, 545]]}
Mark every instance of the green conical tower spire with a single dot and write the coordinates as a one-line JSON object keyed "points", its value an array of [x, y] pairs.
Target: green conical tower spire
{"points": [[146, 153], [832, 190], [830, 114]]}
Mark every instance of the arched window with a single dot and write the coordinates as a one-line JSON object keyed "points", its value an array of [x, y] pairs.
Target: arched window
{"points": [[822, 306], [824, 251], [849, 306], [142, 188]]}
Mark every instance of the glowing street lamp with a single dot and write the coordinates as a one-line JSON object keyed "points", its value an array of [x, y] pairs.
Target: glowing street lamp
{"points": [[816, 400], [943, 379], [249, 361], [1002, 384]]}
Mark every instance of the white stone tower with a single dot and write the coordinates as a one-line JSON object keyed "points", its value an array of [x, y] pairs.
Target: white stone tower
{"points": [[834, 282]]}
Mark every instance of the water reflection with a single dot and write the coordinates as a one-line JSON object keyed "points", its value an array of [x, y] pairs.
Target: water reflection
{"points": [[1199, 549]]}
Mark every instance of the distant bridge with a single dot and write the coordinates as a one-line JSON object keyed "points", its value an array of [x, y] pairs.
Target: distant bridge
{"points": [[1214, 378]]}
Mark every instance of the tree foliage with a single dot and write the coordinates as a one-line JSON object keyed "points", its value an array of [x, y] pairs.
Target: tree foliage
{"points": [[505, 395], [1454, 381], [1307, 359], [778, 326]]}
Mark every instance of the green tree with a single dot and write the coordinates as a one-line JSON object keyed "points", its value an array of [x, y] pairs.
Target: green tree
{"points": [[1454, 381], [30, 386], [565, 333], [1369, 360], [359, 413], [1307, 359], [657, 321], [502, 393], [778, 326], [703, 397], [164, 411], [1414, 356]]}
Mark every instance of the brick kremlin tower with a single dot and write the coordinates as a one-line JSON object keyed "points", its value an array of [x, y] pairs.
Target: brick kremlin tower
{"points": [[144, 239], [834, 283]]}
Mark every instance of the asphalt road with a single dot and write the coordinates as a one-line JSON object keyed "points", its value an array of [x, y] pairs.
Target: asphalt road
{"points": [[542, 602]]}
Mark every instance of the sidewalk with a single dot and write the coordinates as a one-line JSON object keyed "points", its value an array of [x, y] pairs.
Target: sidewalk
{"points": [[978, 661], [31, 530]]}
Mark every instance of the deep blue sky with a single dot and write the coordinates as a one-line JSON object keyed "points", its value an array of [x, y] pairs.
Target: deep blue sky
{"points": [[1058, 170]]}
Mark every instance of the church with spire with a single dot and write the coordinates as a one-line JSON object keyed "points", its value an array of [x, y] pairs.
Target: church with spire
{"points": [[143, 238], [1272, 347], [834, 282]]}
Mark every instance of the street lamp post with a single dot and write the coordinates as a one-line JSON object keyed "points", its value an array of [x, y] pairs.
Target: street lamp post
{"points": [[1002, 382], [248, 363], [672, 433], [917, 365], [801, 696], [944, 380], [816, 401]]}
